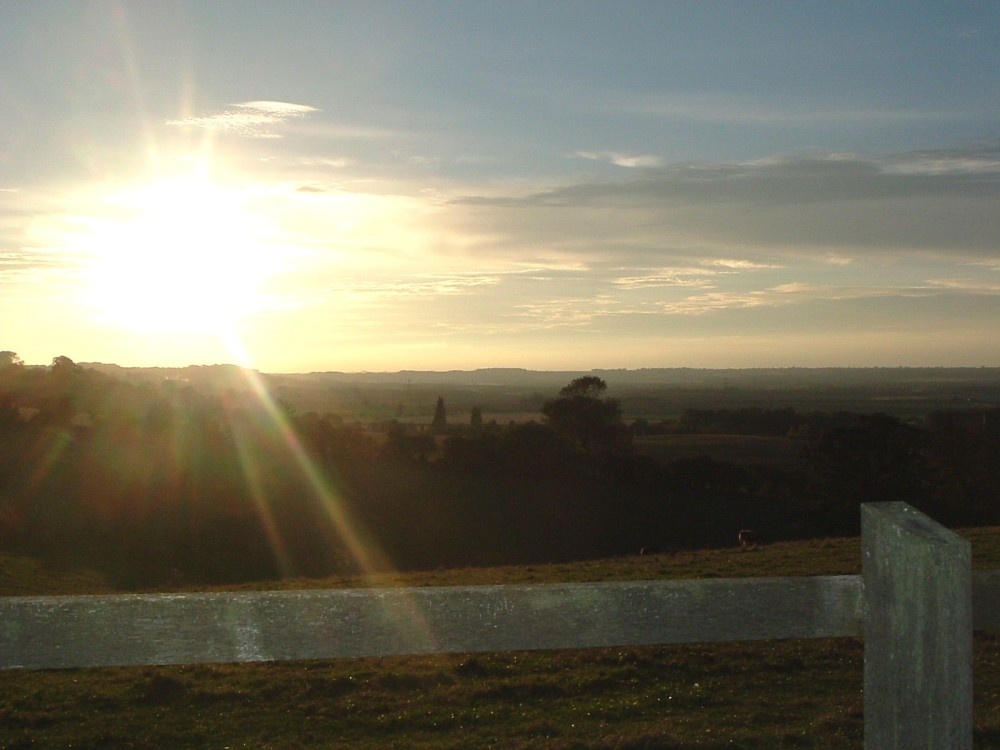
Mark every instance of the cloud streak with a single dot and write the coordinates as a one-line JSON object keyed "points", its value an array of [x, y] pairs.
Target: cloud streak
{"points": [[830, 206], [729, 109], [256, 119], [621, 159]]}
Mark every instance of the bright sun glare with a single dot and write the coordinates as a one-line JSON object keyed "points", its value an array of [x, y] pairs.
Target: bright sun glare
{"points": [[181, 255]]}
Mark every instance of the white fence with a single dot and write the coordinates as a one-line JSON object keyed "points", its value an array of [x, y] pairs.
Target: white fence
{"points": [[916, 605]]}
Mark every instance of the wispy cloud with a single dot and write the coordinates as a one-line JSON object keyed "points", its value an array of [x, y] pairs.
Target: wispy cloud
{"points": [[740, 264], [974, 32], [732, 109], [22, 273], [705, 274], [798, 293], [829, 207], [621, 159], [256, 119], [655, 280], [968, 286], [981, 160], [568, 312], [420, 286]]}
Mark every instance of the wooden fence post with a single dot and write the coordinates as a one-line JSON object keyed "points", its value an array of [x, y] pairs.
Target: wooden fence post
{"points": [[918, 631]]}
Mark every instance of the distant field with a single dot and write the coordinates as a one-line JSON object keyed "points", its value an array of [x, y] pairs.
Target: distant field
{"points": [[745, 450], [456, 417], [738, 695], [909, 394]]}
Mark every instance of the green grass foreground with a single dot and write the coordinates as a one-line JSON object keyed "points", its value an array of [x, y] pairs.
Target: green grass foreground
{"points": [[735, 695]]}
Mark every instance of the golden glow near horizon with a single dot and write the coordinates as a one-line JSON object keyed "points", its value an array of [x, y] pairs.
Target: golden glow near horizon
{"points": [[182, 254], [183, 259], [390, 201]]}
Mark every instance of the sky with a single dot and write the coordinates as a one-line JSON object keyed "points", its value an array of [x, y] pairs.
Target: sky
{"points": [[378, 186]]}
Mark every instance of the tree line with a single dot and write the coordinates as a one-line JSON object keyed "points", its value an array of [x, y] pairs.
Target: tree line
{"points": [[166, 483]]}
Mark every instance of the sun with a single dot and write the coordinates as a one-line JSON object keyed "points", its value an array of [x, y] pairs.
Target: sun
{"points": [[177, 255]]}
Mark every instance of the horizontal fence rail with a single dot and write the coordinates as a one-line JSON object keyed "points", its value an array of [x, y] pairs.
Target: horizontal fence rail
{"points": [[915, 604], [51, 632], [136, 629]]}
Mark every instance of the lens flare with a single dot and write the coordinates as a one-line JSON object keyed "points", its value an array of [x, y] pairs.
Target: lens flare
{"points": [[363, 550], [255, 486]]}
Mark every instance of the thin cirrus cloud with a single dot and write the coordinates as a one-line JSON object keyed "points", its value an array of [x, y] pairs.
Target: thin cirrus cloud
{"points": [[706, 274], [420, 286], [786, 295], [696, 278], [256, 119], [968, 286], [797, 241], [620, 159], [734, 109], [816, 205]]}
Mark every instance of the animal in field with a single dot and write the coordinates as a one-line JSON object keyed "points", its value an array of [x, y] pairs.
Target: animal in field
{"points": [[748, 538]]}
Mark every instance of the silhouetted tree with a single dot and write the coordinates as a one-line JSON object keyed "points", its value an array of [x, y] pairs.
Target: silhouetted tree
{"points": [[286, 409], [588, 423], [589, 386], [64, 367], [476, 455], [11, 369], [439, 425], [9, 359], [873, 458], [401, 445], [531, 449], [963, 447]]}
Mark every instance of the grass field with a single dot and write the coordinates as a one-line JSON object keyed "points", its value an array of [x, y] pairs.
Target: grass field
{"points": [[737, 695]]}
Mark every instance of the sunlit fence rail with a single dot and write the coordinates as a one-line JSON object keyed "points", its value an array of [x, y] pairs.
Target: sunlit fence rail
{"points": [[916, 605]]}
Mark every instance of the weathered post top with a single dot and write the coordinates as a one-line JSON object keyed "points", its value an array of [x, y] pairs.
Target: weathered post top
{"points": [[918, 631]]}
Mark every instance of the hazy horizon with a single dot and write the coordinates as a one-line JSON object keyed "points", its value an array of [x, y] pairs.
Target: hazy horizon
{"points": [[534, 373], [381, 186]]}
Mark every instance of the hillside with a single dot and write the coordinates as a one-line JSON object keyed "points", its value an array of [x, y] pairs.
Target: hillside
{"points": [[806, 694], [20, 576]]}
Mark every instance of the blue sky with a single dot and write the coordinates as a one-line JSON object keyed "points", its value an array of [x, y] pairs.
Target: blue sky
{"points": [[561, 185]]}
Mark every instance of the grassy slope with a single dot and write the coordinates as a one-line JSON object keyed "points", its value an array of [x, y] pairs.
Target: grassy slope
{"points": [[750, 695]]}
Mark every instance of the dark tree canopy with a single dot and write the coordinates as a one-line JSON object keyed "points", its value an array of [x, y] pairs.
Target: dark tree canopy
{"points": [[589, 386], [440, 422], [9, 359], [63, 362], [588, 423]]}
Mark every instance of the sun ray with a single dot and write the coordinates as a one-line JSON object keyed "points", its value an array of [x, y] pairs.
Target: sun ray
{"points": [[255, 486], [362, 550], [59, 442]]}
